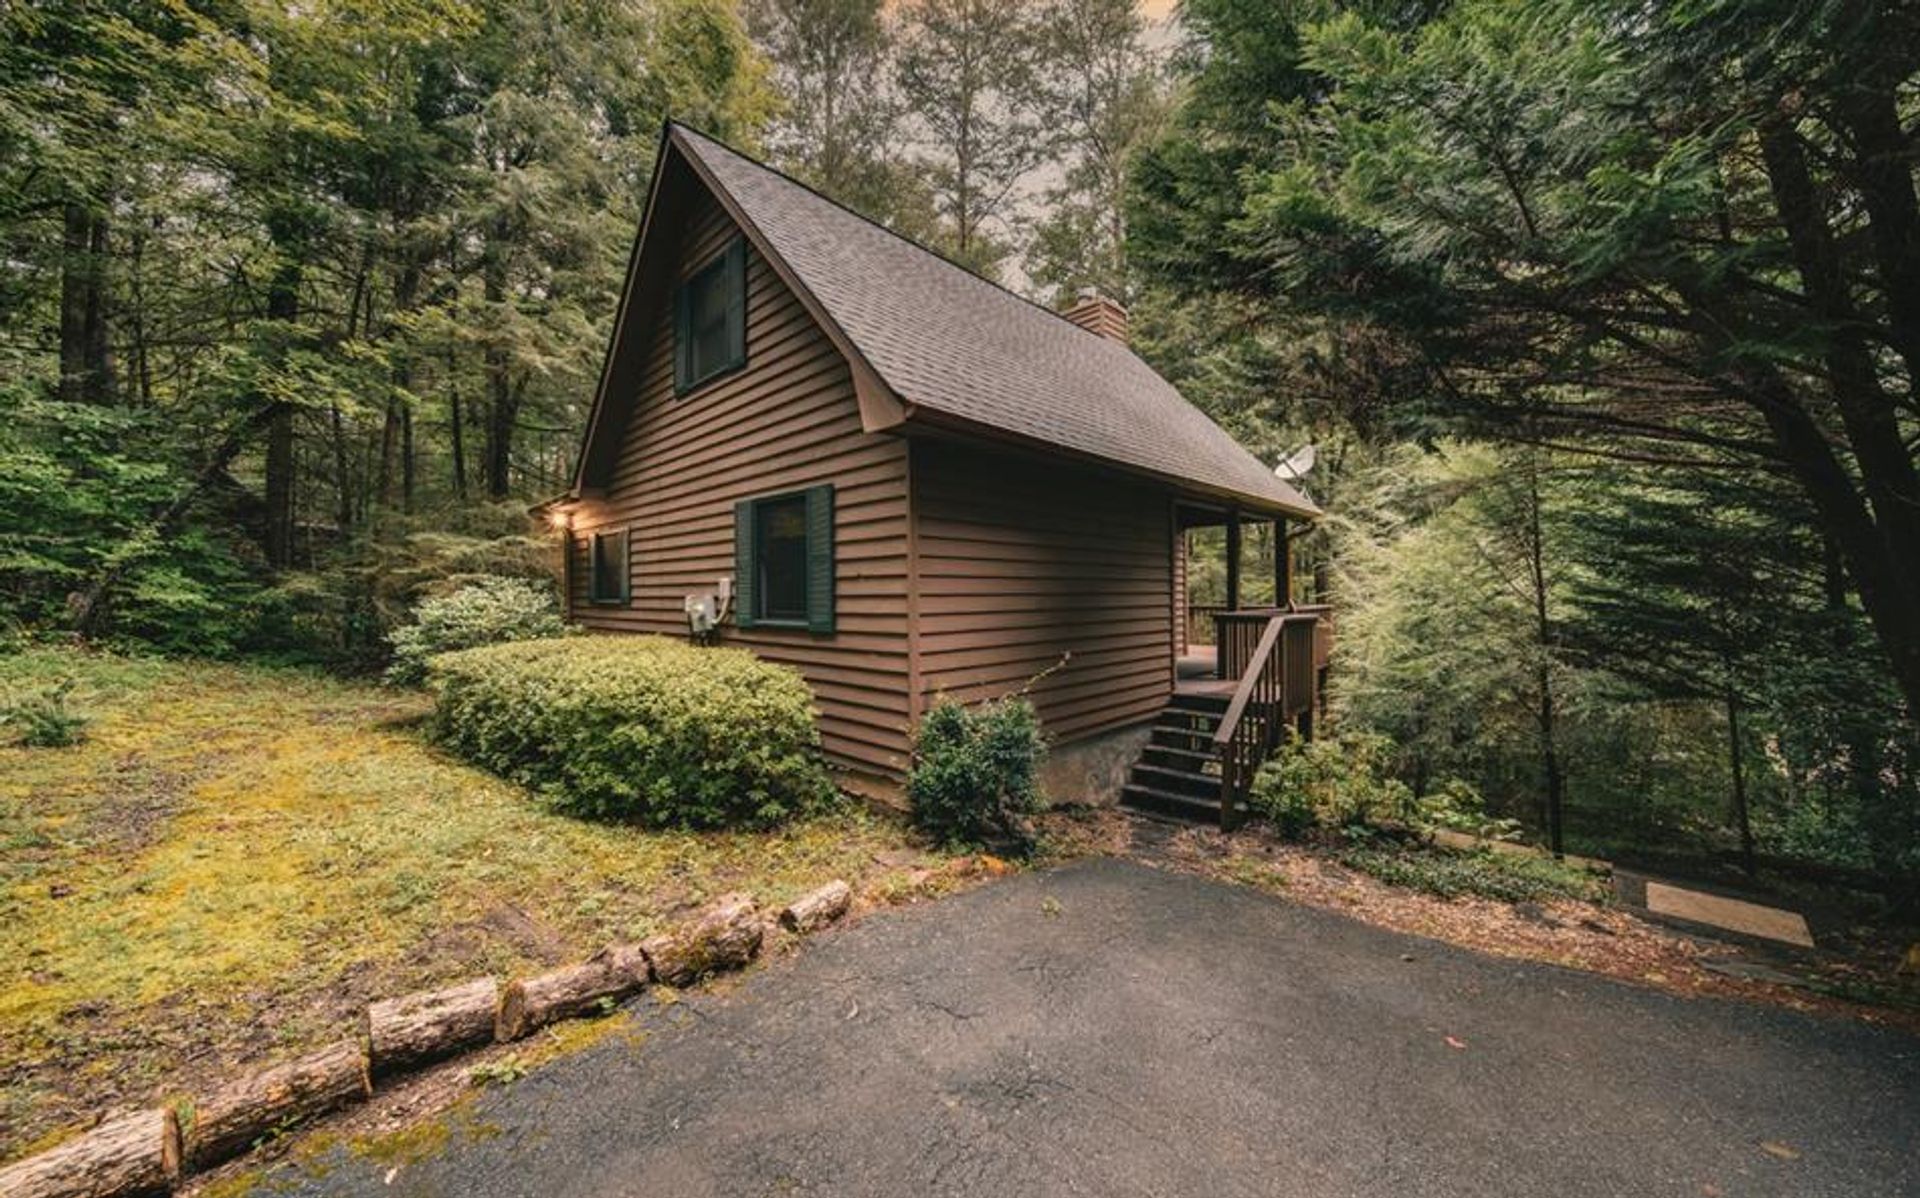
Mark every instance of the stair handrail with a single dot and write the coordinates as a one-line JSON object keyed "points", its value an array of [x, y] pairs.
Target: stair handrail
{"points": [[1250, 728]]}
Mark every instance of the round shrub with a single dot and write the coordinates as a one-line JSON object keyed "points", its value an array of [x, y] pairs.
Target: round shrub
{"points": [[975, 772], [487, 611], [636, 728], [1341, 782]]}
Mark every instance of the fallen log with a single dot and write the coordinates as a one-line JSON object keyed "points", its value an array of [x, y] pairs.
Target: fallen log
{"points": [[818, 909], [430, 1024], [133, 1154], [243, 1112], [725, 936], [529, 1003]]}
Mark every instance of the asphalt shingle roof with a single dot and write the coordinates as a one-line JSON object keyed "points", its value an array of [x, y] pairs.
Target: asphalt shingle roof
{"points": [[947, 340]]}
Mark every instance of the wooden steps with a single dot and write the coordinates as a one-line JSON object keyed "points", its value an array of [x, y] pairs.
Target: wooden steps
{"points": [[1178, 773]]}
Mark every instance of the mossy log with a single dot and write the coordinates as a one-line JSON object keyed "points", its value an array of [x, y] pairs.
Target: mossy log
{"points": [[133, 1154], [430, 1024], [243, 1112], [725, 936], [816, 910], [529, 1003]]}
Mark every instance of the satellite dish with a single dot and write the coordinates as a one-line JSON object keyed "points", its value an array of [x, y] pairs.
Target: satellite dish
{"points": [[1295, 465]]}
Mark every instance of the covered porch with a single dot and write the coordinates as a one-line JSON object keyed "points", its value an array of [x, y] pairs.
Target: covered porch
{"points": [[1249, 565], [1245, 672]]}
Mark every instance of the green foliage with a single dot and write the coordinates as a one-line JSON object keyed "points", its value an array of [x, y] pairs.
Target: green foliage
{"points": [[486, 611], [1488, 873], [636, 728], [1334, 782], [77, 483], [43, 718], [975, 772], [1458, 807]]}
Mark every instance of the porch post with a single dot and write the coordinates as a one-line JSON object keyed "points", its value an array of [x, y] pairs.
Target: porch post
{"points": [[1282, 564], [1233, 559]]}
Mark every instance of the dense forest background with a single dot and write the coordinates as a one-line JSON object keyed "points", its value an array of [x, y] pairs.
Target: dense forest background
{"points": [[1603, 319]]}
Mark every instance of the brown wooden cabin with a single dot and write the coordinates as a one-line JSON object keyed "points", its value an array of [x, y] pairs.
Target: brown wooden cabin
{"points": [[919, 484]]}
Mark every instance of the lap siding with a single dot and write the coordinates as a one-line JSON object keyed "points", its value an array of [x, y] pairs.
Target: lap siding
{"points": [[1044, 560], [786, 421]]}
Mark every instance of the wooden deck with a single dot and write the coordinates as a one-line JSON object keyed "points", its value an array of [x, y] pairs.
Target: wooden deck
{"points": [[1193, 674]]}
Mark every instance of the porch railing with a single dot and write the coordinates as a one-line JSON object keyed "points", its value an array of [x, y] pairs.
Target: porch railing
{"points": [[1201, 622], [1279, 686]]}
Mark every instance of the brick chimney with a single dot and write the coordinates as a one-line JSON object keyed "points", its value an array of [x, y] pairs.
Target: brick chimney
{"points": [[1098, 314]]}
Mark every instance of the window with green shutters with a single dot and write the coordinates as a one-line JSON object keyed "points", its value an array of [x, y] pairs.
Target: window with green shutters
{"points": [[710, 319], [783, 560]]}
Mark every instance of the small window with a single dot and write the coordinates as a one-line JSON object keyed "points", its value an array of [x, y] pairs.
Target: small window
{"points": [[782, 534], [710, 326], [783, 568], [608, 561]]}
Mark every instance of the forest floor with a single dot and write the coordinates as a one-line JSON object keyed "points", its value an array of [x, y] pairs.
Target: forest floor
{"points": [[1579, 928], [236, 859]]}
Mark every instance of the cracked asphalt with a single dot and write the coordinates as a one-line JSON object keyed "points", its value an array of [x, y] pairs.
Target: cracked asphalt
{"points": [[1109, 1029]]}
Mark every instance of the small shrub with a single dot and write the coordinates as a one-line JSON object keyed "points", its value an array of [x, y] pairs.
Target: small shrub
{"points": [[1339, 782], [43, 719], [636, 728], [1509, 877], [1458, 807], [975, 772], [488, 611]]}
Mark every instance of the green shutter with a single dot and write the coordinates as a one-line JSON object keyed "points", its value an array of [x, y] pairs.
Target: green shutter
{"points": [[820, 558], [682, 339], [626, 566], [746, 564], [736, 284]]}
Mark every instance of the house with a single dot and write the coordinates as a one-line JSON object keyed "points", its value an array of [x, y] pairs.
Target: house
{"points": [[917, 484]]}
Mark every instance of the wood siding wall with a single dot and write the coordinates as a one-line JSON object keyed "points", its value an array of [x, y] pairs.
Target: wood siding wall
{"points": [[1019, 560], [1180, 590], [787, 420]]}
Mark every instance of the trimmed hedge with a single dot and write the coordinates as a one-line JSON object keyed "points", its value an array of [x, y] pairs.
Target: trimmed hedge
{"points": [[636, 727]]}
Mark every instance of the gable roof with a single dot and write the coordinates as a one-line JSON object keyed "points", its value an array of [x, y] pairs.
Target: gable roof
{"points": [[958, 351]]}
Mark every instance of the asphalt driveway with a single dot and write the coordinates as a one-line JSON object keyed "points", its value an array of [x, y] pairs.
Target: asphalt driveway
{"points": [[1108, 1029]]}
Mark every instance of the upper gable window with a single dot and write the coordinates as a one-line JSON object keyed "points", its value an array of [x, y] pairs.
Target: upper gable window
{"points": [[710, 319]]}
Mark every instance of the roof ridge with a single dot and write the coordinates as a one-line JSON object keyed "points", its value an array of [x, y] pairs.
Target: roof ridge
{"points": [[894, 233]]}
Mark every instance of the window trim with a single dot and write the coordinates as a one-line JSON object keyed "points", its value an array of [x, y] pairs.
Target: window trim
{"points": [[730, 263], [623, 593], [822, 562]]}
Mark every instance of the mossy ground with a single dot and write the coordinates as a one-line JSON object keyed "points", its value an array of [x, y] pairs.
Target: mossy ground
{"points": [[237, 858]]}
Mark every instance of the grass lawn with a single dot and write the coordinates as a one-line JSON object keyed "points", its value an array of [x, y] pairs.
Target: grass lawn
{"points": [[237, 858]]}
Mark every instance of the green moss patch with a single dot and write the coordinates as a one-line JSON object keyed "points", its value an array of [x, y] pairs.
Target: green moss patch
{"points": [[235, 859]]}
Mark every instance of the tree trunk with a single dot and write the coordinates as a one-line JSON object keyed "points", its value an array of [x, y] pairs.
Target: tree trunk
{"points": [[1554, 782], [134, 1154], [1734, 759], [283, 306], [428, 1025], [406, 457], [818, 909], [530, 1003], [86, 361], [229, 1121], [457, 430], [502, 413], [726, 936]]}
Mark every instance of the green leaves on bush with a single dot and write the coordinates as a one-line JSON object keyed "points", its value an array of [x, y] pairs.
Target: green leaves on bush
{"points": [[639, 728], [1338, 782], [487, 611], [42, 719], [975, 772]]}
